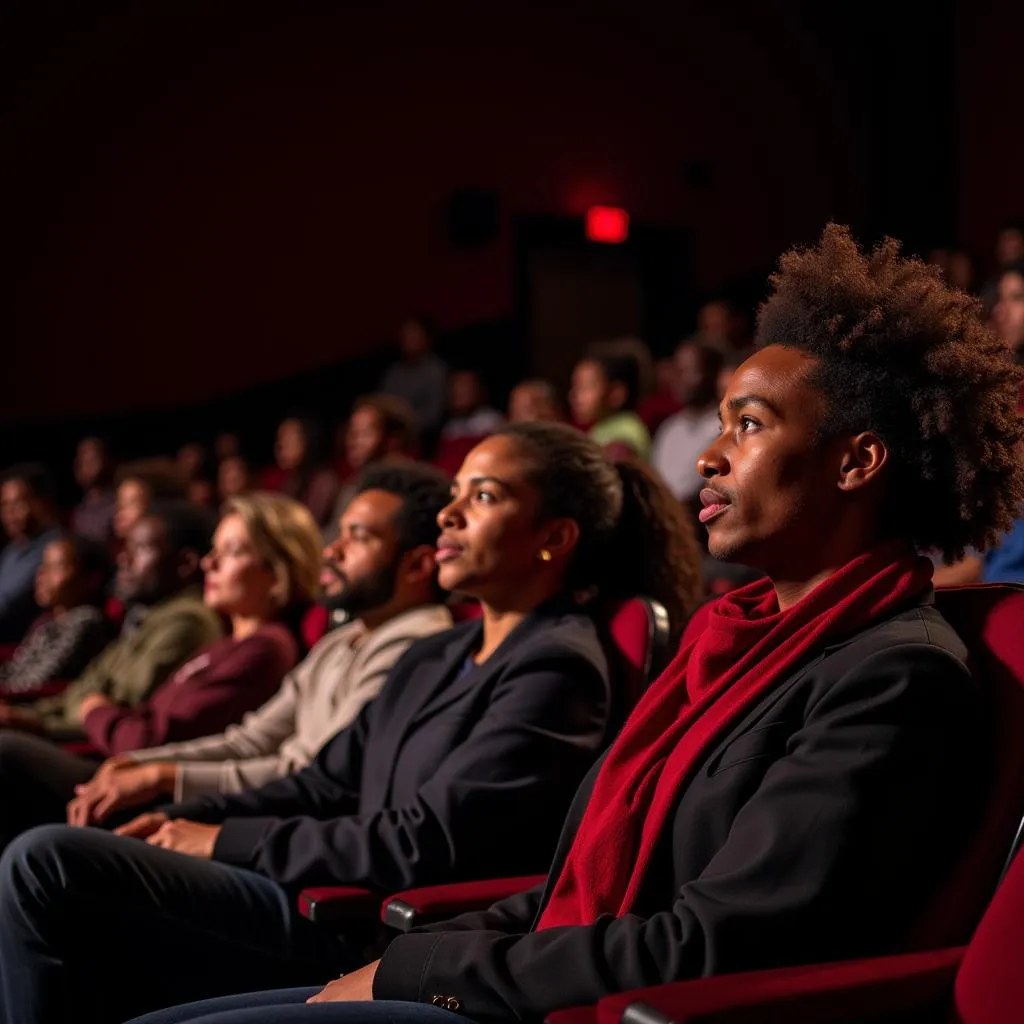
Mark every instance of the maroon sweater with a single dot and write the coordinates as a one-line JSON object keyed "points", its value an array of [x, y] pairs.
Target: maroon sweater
{"points": [[207, 694]]}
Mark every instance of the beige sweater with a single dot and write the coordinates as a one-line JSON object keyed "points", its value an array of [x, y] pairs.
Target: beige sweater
{"points": [[319, 697]]}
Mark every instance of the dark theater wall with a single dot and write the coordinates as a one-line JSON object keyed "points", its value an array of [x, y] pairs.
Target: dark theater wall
{"points": [[200, 200], [990, 108]]}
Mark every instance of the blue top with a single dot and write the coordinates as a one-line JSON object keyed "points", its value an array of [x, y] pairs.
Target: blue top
{"points": [[1005, 564], [18, 564]]}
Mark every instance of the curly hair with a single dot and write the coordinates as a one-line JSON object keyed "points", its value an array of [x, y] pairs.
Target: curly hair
{"points": [[635, 538], [904, 355]]}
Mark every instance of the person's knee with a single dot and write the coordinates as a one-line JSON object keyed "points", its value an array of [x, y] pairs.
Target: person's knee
{"points": [[12, 754], [37, 864]]}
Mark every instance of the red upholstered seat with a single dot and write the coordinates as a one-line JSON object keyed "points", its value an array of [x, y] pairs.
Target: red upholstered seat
{"points": [[639, 632], [982, 984], [314, 625], [990, 982], [452, 452], [990, 621]]}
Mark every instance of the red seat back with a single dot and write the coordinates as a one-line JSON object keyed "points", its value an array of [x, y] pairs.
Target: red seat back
{"points": [[465, 611], [639, 633], [990, 620], [313, 627], [990, 983]]}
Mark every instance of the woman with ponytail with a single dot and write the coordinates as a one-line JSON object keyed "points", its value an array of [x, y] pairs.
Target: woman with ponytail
{"points": [[797, 784]]}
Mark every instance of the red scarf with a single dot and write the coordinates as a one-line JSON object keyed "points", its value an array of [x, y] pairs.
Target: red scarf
{"points": [[747, 648]]}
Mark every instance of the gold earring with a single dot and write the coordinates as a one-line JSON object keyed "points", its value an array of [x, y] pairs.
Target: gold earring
{"points": [[544, 555]]}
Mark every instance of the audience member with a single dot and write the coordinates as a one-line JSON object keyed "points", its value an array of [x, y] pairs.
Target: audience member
{"points": [[471, 420], [265, 560], [469, 415], [28, 519], [71, 585], [166, 623], [196, 468], [721, 325], [381, 572], [795, 786], [139, 485], [226, 445], [685, 435], [302, 475], [535, 401], [234, 477], [93, 517], [663, 401], [1009, 250], [606, 386], [380, 429], [463, 765], [420, 377], [1008, 312], [956, 264]]}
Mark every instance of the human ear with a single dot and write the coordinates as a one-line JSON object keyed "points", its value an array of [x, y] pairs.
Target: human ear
{"points": [[863, 458], [560, 537]]}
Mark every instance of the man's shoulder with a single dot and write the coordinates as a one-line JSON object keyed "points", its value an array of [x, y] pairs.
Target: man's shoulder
{"points": [[182, 609], [921, 626]]}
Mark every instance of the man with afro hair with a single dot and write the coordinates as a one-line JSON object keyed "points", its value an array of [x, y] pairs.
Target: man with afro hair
{"points": [[797, 785]]}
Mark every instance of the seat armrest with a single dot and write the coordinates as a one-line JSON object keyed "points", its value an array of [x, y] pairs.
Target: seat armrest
{"points": [[338, 904], [854, 990], [413, 907]]}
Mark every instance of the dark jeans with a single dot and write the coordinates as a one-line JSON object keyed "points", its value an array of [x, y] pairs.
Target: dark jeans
{"points": [[289, 1007], [37, 779], [97, 928]]}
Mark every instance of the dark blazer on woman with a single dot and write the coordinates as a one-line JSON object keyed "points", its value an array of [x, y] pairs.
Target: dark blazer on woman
{"points": [[455, 771], [815, 830]]}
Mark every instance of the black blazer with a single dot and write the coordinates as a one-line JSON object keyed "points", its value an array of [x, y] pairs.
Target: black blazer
{"points": [[814, 831], [450, 773]]}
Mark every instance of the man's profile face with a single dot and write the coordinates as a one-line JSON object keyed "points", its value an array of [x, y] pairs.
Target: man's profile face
{"points": [[360, 567], [18, 509], [143, 569], [769, 481], [364, 437]]}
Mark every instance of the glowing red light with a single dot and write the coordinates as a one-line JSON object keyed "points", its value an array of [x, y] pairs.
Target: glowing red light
{"points": [[608, 224]]}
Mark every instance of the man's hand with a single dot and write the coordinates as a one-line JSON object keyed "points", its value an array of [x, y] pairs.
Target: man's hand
{"points": [[143, 826], [90, 703], [22, 719], [188, 837], [115, 787], [356, 987], [114, 763]]}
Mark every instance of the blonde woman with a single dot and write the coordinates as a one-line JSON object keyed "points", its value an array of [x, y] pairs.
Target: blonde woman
{"points": [[264, 565]]}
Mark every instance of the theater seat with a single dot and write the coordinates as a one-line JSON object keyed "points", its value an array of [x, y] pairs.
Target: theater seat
{"points": [[639, 634], [981, 983], [314, 625]]}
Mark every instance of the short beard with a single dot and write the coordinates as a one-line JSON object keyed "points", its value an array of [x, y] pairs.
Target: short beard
{"points": [[373, 592]]}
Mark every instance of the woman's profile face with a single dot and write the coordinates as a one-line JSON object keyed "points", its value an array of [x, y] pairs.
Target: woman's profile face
{"points": [[490, 536], [237, 581]]}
